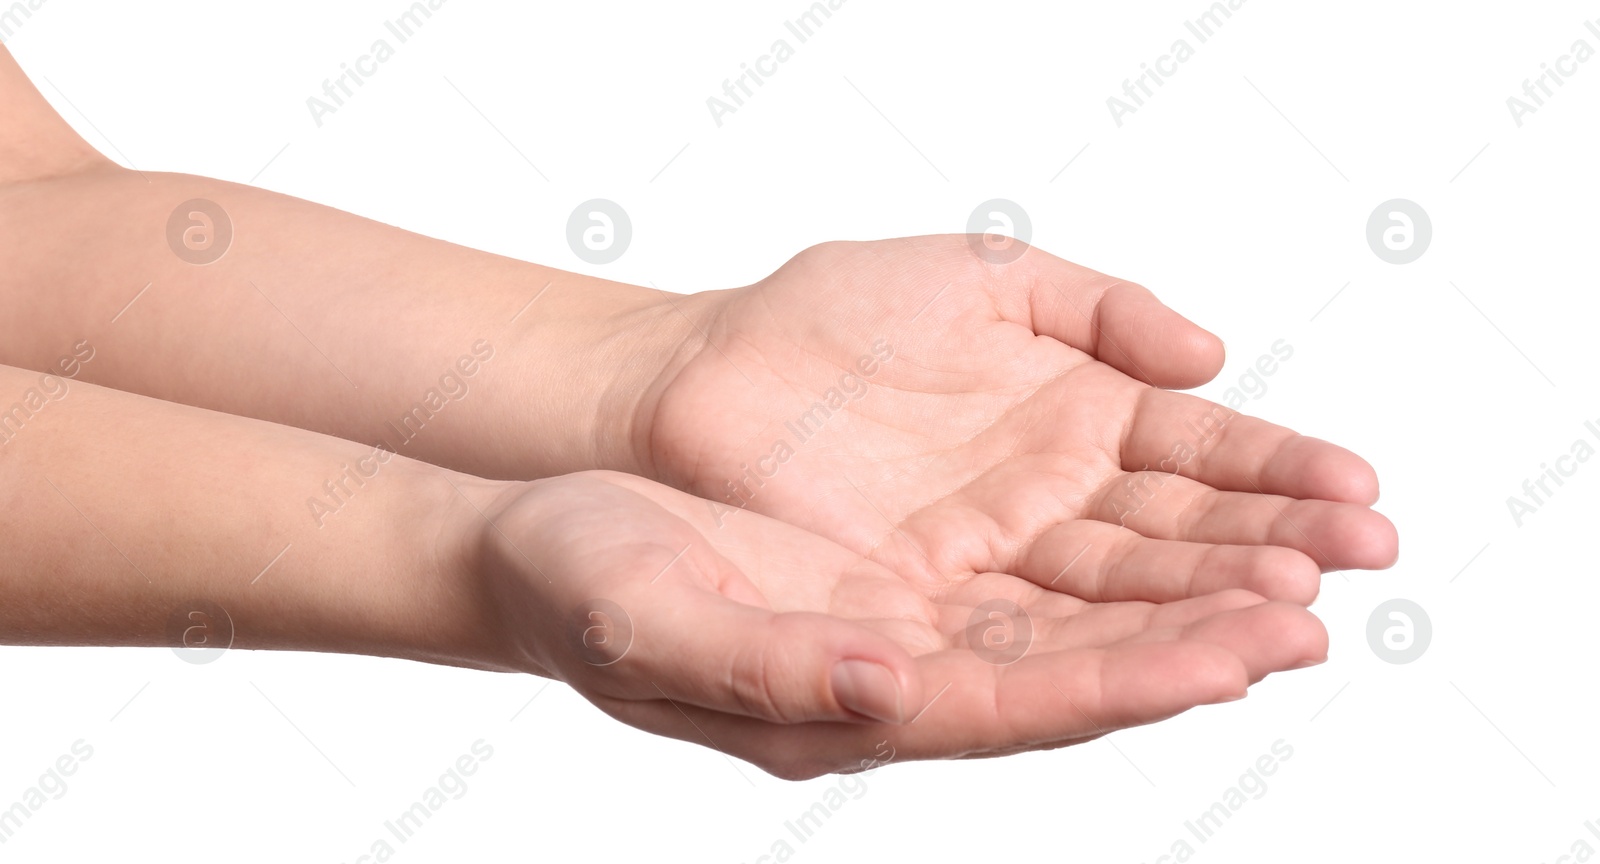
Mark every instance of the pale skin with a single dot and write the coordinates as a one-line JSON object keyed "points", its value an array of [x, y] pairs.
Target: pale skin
{"points": [[995, 419]]}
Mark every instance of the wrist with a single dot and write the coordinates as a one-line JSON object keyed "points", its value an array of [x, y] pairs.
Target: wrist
{"points": [[440, 609], [546, 555], [597, 359]]}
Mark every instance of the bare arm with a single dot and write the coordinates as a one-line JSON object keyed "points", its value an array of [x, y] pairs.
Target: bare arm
{"points": [[123, 511], [945, 408], [328, 321]]}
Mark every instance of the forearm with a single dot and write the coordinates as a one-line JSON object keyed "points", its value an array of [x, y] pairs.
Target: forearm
{"points": [[319, 319], [124, 511]]}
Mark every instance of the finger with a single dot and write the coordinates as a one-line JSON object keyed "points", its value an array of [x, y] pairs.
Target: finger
{"points": [[1054, 695], [1267, 638], [1180, 433], [1118, 322], [1101, 562], [699, 647], [957, 601], [1102, 624], [978, 708], [1336, 535]]}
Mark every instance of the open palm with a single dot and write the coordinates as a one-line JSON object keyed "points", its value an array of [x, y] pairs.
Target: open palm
{"points": [[729, 635], [999, 431]]}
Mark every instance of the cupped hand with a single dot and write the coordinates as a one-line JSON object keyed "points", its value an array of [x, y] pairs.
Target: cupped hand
{"points": [[1001, 431], [765, 641]]}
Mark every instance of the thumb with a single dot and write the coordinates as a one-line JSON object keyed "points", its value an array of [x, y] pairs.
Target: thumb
{"points": [[1120, 323], [782, 667]]}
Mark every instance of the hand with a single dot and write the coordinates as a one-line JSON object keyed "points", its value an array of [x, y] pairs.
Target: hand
{"points": [[732, 636], [997, 431]]}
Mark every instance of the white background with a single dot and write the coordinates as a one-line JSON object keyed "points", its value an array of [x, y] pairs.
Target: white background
{"points": [[1482, 750]]}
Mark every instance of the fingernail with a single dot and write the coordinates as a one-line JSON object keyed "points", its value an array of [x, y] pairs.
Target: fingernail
{"points": [[868, 689], [1232, 698], [1307, 664]]}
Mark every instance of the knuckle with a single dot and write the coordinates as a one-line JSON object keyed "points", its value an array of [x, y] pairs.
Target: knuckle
{"points": [[752, 675]]}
